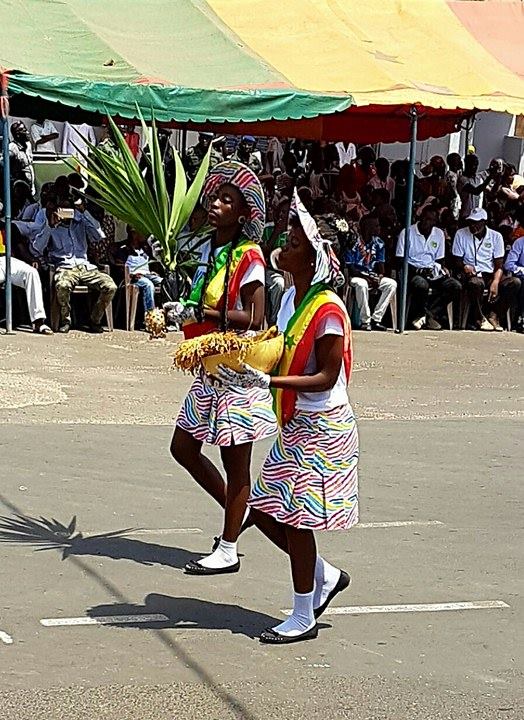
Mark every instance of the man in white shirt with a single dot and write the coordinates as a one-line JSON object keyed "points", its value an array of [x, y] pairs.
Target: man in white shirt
{"points": [[43, 136], [479, 252], [426, 272]]}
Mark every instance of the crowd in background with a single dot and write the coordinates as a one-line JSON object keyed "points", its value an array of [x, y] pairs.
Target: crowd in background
{"points": [[466, 245]]}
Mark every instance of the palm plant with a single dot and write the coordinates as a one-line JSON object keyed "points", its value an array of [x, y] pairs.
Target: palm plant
{"points": [[122, 190]]}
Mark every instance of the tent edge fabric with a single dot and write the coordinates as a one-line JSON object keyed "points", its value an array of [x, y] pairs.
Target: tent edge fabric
{"points": [[179, 104]]}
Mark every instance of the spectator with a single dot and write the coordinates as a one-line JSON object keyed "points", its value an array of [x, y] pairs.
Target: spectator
{"points": [[471, 185], [273, 239], [246, 154], [425, 272], [22, 199], [433, 183], [21, 155], [43, 136], [455, 167], [137, 264], [383, 180], [76, 139], [197, 153], [515, 266], [66, 238], [25, 275], [354, 177], [365, 261], [479, 252]]}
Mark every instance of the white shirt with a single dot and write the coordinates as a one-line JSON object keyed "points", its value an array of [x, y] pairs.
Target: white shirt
{"points": [[38, 131], [73, 142], [422, 252], [478, 252], [346, 155], [331, 325]]}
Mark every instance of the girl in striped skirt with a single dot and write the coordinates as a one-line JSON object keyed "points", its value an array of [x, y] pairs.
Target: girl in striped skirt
{"points": [[309, 479], [227, 292]]}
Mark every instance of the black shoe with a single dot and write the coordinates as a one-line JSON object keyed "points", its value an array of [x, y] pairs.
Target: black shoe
{"points": [[378, 326], [96, 328], [366, 327], [194, 568], [270, 637], [65, 328], [342, 584]]}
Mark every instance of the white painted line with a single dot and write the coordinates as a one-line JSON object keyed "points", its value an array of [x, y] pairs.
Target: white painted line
{"points": [[149, 531], [104, 620], [419, 607], [398, 523], [167, 531], [5, 638]]}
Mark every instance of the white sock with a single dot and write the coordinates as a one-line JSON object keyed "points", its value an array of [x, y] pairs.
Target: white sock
{"points": [[326, 577], [224, 556], [302, 618]]}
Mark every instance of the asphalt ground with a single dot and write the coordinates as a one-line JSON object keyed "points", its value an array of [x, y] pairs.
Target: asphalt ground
{"points": [[86, 424]]}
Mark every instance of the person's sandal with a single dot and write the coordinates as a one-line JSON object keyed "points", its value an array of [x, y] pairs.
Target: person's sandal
{"points": [[43, 329]]}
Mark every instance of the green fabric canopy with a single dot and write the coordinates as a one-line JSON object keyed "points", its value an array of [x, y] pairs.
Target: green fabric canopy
{"points": [[174, 57]]}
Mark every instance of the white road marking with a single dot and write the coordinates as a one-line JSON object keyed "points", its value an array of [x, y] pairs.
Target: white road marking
{"points": [[398, 523], [418, 607], [103, 620], [151, 531], [5, 638]]}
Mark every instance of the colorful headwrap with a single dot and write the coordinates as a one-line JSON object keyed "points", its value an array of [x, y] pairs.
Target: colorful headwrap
{"points": [[235, 173], [327, 268]]}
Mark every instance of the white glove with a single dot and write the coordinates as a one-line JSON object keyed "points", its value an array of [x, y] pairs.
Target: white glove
{"points": [[250, 378], [177, 313]]}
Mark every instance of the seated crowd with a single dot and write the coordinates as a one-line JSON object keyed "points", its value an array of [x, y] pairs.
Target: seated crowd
{"points": [[465, 254]]}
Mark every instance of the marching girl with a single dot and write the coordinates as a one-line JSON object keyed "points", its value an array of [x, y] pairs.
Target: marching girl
{"points": [[309, 479], [227, 293]]}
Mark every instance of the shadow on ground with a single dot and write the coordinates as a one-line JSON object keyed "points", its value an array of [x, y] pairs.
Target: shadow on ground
{"points": [[186, 613], [43, 534]]}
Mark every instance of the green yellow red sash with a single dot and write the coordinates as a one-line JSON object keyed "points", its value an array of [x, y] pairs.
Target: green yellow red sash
{"points": [[241, 258], [299, 336]]}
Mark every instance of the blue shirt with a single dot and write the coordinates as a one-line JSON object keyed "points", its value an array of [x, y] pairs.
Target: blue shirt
{"points": [[67, 244], [138, 262], [365, 257], [515, 260]]}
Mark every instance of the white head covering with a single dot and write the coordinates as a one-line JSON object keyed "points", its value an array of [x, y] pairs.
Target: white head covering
{"points": [[327, 267]]}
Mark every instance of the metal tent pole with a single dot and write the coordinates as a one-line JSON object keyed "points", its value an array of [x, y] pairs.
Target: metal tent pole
{"points": [[413, 114], [4, 118]]}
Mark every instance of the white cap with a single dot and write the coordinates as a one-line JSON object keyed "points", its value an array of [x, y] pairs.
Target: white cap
{"points": [[478, 215]]}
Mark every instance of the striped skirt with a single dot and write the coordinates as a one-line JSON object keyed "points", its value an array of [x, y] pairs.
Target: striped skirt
{"points": [[219, 416], [309, 479]]}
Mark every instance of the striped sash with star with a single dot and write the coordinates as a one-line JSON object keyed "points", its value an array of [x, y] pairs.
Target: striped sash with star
{"points": [[299, 336]]}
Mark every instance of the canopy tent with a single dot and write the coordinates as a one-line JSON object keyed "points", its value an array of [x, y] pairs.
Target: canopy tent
{"points": [[301, 63], [335, 69]]}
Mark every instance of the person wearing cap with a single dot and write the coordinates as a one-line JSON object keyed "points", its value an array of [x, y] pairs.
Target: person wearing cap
{"points": [[25, 275], [245, 153], [227, 293], [479, 252], [197, 153], [309, 480], [426, 271]]}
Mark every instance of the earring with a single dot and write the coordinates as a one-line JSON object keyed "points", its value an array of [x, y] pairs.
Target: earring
{"points": [[242, 220]]}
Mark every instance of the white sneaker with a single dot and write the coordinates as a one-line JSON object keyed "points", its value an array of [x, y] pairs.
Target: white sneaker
{"points": [[486, 325], [419, 324]]}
